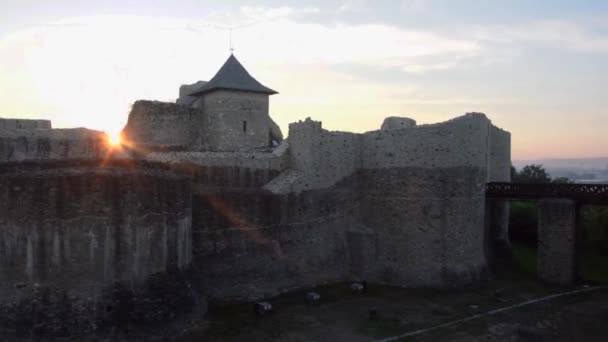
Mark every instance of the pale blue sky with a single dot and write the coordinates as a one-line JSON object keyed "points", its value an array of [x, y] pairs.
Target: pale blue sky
{"points": [[537, 68]]}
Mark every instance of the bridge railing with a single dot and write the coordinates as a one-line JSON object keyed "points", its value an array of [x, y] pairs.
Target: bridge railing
{"points": [[592, 193]]}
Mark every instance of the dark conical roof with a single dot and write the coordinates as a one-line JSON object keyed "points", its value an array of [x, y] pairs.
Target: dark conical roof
{"points": [[232, 75]]}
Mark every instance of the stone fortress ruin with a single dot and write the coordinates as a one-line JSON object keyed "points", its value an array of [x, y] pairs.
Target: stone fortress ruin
{"points": [[205, 200]]}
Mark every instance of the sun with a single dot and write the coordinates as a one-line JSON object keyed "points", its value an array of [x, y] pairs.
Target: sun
{"points": [[114, 139]]}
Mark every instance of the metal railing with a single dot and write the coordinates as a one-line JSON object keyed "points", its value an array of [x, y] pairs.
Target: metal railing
{"points": [[591, 193]]}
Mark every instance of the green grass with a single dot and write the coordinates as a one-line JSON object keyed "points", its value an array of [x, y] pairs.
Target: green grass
{"points": [[593, 265], [525, 256], [381, 327]]}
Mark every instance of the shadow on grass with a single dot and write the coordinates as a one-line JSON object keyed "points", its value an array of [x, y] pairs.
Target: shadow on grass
{"points": [[593, 266], [525, 258]]}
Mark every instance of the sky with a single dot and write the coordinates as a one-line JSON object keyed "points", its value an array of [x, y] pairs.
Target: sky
{"points": [[538, 69]]}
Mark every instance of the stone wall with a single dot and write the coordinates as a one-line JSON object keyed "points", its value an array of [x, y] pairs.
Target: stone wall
{"points": [[236, 120], [162, 126], [396, 122], [428, 225], [459, 142], [498, 249], [77, 143], [277, 160], [557, 241], [320, 158], [499, 163], [424, 200], [402, 206], [252, 243], [184, 94], [86, 244], [420, 190], [12, 124]]}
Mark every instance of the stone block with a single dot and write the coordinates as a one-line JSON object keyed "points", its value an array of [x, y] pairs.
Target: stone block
{"points": [[556, 241]]}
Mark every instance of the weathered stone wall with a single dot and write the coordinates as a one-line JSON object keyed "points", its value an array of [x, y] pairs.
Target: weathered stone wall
{"points": [[12, 124], [277, 160], [459, 142], [497, 210], [424, 200], [499, 163], [252, 243], [320, 158], [77, 143], [428, 224], [236, 120], [403, 206], [421, 193], [162, 126], [184, 94], [396, 122], [92, 244], [557, 241]]}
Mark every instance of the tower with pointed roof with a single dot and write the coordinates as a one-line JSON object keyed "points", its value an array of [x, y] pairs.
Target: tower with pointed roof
{"points": [[236, 109]]}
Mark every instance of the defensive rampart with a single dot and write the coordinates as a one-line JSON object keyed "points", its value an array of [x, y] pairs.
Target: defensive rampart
{"points": [[24, 124], [161, 126], [419, 191], [94, 243], [32, 144], [404, 205]]}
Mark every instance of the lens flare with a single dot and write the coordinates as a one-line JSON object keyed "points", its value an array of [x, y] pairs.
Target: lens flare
{"points": [[114, 139]]}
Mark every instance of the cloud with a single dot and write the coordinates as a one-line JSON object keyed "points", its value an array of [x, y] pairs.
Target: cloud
{"points": [[562, 34], [353, 6], [415, 6], [86, 71]]}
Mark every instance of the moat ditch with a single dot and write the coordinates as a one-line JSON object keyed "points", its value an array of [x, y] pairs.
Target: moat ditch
{"points": [[491, 311], [342, 315]]}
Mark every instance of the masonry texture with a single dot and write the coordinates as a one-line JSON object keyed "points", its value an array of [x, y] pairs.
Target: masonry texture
{"points": [[27, 144], [497, 210], [556, 241], [24, 124], [83, 242], [236, 120], [402, 207], [159, 126]]}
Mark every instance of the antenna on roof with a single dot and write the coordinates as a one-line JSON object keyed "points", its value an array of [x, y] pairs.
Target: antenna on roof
{"points": [[230, 41]]}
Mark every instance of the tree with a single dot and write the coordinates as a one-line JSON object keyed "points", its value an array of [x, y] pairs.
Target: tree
{"points": [[523, 224], [533, 173], [562, 180]]}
